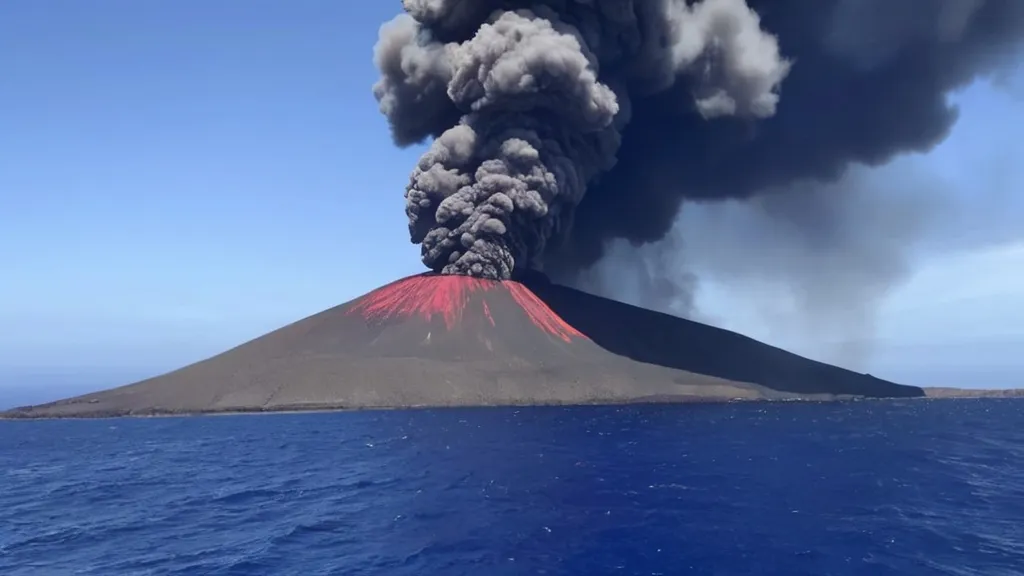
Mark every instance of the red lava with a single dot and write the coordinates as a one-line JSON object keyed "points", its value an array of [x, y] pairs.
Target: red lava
{"points": [[541, 315], [487, 312], [423, 296], [429, 295]]}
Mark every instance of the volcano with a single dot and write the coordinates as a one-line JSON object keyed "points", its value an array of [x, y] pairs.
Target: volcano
{"points": [[435, 340]]}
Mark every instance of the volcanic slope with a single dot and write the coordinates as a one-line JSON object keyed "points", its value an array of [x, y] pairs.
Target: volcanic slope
{"points": [[430, 340]]}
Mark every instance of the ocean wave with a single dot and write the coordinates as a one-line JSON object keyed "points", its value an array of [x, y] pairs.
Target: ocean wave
{"points": [[860, 488]]}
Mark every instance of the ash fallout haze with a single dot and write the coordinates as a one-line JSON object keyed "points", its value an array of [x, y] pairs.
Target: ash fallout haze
{"points": [[560, 126]]}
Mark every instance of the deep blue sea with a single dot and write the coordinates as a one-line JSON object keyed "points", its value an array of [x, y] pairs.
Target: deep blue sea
{"points": [[903, 487]]}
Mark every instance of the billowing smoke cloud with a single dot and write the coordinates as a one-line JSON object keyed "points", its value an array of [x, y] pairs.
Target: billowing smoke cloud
{"points": [[561, 125], [541, 92]]}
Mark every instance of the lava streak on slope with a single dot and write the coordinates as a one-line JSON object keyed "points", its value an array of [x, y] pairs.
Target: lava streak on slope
{"points": [[429, 295], [425, 296], [540, 313]]}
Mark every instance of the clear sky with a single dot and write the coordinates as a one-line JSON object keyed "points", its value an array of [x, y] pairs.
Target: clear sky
{"points": [[179, 176]]}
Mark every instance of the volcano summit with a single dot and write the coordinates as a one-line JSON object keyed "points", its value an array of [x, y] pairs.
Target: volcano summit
{"points": [[450, 340]]}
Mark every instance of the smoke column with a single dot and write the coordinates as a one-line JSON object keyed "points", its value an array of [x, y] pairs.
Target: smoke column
{"points": [[560, 125]]}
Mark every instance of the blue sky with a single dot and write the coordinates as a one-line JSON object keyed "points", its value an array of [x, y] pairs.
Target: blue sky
{"points": [[177, 177]]}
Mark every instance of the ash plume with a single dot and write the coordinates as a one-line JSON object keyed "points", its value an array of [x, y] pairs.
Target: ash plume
{"points": [[806, 265], [559, 126]]}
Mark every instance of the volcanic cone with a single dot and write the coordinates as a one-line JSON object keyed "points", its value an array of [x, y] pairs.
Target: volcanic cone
{"points": [[446, 340]]}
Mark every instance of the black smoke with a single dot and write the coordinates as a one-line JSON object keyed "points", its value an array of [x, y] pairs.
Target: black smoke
{"points": [[562, 125]]}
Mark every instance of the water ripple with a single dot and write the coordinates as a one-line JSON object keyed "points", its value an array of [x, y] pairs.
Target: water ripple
{"points": [[860, 488]]}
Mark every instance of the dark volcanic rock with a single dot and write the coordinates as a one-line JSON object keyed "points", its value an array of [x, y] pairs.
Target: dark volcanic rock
{"points": [[431, 340], [665, 340]]}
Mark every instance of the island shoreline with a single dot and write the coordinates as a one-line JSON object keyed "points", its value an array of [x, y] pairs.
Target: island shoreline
{"points": [[13, 414]]}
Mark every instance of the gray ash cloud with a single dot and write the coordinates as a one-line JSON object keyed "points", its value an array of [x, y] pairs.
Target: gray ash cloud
{"points": [[561, 125]]}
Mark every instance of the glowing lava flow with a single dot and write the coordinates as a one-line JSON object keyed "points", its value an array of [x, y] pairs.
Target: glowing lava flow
{"points": [[427, 296], [423, 296], [540, 314]]}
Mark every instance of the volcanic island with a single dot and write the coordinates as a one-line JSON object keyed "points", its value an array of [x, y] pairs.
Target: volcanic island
{"points": [[432, 340], [553, 130]]}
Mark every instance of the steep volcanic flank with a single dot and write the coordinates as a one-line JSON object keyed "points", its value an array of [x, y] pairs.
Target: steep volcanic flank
{"points": [[431, 340], [427, 296]]}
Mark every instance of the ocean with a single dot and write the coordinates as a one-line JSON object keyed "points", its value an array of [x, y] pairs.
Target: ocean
{"points": [[872, 487]]}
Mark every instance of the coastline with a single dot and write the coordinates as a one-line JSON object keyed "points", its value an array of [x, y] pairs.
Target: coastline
{"points": [[938, 393], [27, 412]]}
